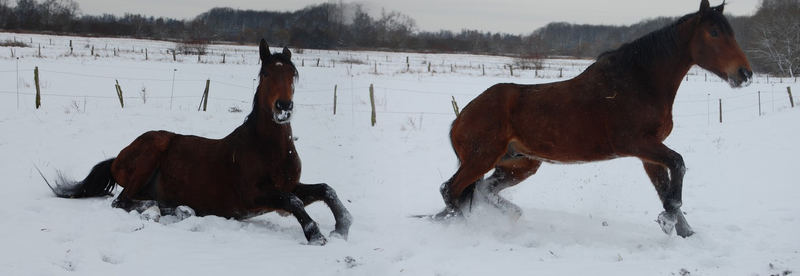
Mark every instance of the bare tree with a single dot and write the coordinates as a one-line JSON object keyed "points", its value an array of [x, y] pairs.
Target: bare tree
{"points": [[777, 27]]}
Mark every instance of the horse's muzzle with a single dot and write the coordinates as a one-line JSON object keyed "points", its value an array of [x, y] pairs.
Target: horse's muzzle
{"points": [[742, 77], [283, 111]]}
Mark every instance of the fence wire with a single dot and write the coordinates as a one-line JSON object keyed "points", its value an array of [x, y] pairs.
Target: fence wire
{"points": [[319, 88]]}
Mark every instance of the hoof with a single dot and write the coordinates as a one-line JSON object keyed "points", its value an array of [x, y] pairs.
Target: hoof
{"points": [[667, 222], [184, 212], [670, 221], [338, 234], [317, 239], [448, 214], [152, 214], [684, 232], [511, 210], [343, 223], [682, 227]]}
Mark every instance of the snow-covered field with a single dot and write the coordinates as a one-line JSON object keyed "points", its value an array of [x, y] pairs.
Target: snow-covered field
{"points": [[740, 192]]}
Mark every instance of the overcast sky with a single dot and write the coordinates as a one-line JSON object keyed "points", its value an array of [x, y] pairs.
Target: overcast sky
{"points": [[511, 16]]}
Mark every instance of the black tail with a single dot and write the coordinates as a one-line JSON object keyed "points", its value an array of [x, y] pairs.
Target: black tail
{"points": [[99, 182]]}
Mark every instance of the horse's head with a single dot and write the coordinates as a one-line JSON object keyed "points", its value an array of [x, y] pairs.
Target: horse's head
{"points": [[276, 84], [714, 48]]}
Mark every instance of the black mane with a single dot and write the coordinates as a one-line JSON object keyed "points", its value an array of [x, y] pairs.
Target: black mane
{"points": [[273, 58], [662, 42]]}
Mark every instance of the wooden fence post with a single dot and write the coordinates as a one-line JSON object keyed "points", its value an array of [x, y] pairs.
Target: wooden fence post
{"points": [[720, 111], [145, 54], [791, 100], [335, 88], [429, 67], [92, 50], [208, 86], [119, 94], [455, 105], [372, 102], [759, 103], [70, 47], [511, 69], [204, 99], [40, 50], [223, 58], [173, 56], [483, 69], [317, 62], [38, 92]]}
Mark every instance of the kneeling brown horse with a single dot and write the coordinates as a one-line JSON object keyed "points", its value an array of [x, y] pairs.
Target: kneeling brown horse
{"points": [[621, 106], [252, 171]]}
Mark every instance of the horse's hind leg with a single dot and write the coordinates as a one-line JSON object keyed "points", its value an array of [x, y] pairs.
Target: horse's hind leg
{"points": [[510, 171], [476, 160], [312, 193], [665, 168], [136, 167]]}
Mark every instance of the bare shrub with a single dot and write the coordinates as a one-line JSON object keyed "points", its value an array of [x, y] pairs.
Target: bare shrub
{"points": [[13, 43], [529, 62], [352, 61], [192, 47]]}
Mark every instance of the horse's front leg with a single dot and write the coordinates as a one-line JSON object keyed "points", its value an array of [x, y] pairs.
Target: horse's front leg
{"points": [[313, 193], [291, 203], [666, 168]]}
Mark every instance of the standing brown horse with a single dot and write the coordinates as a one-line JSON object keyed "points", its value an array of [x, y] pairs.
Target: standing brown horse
{"points": [[621, 106], [252, 171]]}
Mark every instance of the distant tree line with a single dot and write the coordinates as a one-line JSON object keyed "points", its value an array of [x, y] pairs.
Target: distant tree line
{"points": [[770, 37]]}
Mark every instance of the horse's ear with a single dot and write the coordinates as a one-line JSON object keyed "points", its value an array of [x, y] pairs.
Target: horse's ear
{"points": [[263, 50], [287, 53], [704, 5]]}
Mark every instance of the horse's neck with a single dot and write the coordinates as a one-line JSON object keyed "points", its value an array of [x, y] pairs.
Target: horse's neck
{"points": [[263, 131], [669, 72], [267, 130], [665, 73]]}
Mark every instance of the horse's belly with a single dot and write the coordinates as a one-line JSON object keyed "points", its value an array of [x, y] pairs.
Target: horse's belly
{"points": [[564, 148], [207, 195]]}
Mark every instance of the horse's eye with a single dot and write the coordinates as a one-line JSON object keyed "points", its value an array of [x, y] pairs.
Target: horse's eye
{"points": [[714, 33]]}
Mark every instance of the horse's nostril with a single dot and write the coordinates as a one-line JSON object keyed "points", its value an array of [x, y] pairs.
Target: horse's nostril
{"points": [[745, 73], [284, 105]]}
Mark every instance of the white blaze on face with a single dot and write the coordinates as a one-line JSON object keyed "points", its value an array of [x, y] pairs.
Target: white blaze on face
{"points": [[279, 64]]}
